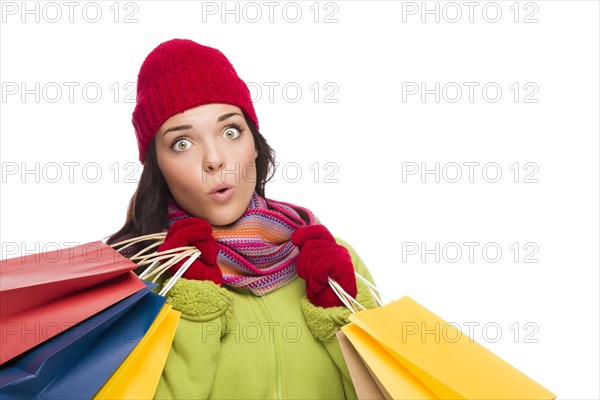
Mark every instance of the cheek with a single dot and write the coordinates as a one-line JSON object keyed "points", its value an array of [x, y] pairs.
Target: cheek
{"points": [[175, 180], [247, 177], [246, 151], [245, 157], [178, 176]]}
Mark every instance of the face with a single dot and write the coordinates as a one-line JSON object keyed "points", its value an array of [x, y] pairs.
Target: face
{"points": [[202, 148]]}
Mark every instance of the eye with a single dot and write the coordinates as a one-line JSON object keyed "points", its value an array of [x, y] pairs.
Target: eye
{"points": [[180, 144], [233, 131]]}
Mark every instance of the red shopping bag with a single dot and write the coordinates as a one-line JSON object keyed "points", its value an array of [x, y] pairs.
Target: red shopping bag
{"points": [[42, 295]]}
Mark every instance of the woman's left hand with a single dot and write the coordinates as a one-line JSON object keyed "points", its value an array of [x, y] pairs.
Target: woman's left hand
{"points": [[321, 257]]}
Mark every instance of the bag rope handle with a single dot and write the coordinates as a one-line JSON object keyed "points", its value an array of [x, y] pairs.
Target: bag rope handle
{"points": [[351, 303], [156, 268]]}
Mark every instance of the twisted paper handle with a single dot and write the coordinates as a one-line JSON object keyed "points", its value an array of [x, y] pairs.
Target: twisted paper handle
{"points": [[156, 269]]}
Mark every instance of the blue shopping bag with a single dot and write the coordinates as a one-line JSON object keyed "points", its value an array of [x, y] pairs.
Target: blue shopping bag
{"points": [[77, 362]]}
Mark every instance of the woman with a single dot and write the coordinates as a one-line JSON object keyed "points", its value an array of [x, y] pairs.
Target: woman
{"points": [[258, 316]]}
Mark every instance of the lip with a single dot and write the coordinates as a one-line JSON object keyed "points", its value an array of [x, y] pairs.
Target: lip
{"points": [[222, 196]]}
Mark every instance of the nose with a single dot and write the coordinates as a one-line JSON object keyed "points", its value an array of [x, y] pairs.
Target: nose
{"points": [[213, 161], [211, 167]]}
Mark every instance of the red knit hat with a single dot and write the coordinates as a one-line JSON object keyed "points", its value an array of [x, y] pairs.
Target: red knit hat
{"points": [[180, 74]]}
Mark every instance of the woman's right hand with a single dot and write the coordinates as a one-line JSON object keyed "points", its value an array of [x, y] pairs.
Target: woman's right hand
{"points": [[195, 232]]}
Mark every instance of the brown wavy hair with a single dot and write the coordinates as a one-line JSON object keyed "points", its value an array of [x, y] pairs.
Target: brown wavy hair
{"points": [[147, 211]]}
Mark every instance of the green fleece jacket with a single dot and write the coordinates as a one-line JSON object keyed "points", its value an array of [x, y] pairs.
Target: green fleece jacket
{"points": [[231, 344]]}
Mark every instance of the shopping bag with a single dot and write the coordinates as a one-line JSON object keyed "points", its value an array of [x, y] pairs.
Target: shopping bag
{"points": [[42, 295], [139, 374], [405, 364], [375, 373], [365, 384], [35, 279], [82, 358], [78, 362]]}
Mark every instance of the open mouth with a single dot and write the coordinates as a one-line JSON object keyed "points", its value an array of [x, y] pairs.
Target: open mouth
{"points": [[223, 194]]}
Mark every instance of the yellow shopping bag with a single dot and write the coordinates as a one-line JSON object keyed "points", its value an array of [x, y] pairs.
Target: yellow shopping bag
{"points": [[138, 376], [374, 372], [443, 363]]}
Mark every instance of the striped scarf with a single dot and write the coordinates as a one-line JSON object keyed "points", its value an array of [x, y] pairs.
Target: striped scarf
{"points": [[256, 251]]}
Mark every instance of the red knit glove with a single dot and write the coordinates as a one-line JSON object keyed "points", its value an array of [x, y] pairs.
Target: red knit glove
{"points": [[195, 232], [320, 256]]}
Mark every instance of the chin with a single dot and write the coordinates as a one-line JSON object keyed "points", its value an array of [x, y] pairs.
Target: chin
{"points": [[225, 220], [219, 222], [230, 213]]}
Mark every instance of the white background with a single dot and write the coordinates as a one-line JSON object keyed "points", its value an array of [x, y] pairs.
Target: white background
{"points": [[367, 53]]}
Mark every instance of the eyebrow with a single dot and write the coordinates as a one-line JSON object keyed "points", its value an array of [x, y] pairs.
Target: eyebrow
{"points": [[188, 126]]}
